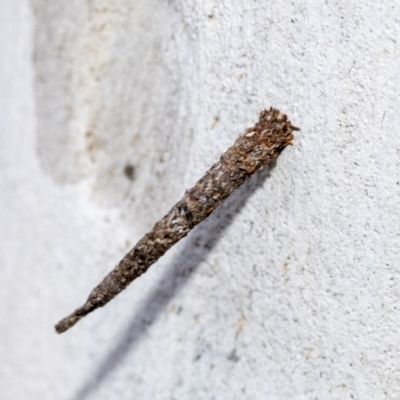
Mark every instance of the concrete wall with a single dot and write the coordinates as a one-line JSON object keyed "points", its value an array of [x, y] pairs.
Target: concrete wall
{"points": [[291, 290]]}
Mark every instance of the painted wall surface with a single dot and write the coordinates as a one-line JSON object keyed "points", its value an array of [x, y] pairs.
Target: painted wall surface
{"points": [[290, 290]]}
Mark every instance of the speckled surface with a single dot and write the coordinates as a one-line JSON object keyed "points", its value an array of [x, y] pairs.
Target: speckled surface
{"points": [[290, 290]]}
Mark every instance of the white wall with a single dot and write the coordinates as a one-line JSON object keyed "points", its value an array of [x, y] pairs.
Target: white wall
{"points": [[290, 290]]}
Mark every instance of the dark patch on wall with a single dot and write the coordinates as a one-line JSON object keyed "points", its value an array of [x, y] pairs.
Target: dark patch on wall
{"points": [[129, 171]]}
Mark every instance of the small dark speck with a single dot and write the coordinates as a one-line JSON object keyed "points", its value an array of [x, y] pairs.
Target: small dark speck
{"points": [[210, 16], [129, 171], [233, 356]]}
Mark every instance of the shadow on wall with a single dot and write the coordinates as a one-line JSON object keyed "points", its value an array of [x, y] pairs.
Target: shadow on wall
{"points": [[199, 244]]}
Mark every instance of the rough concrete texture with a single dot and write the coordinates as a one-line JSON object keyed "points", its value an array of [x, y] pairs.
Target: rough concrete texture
{"points": [[290, 290]]}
